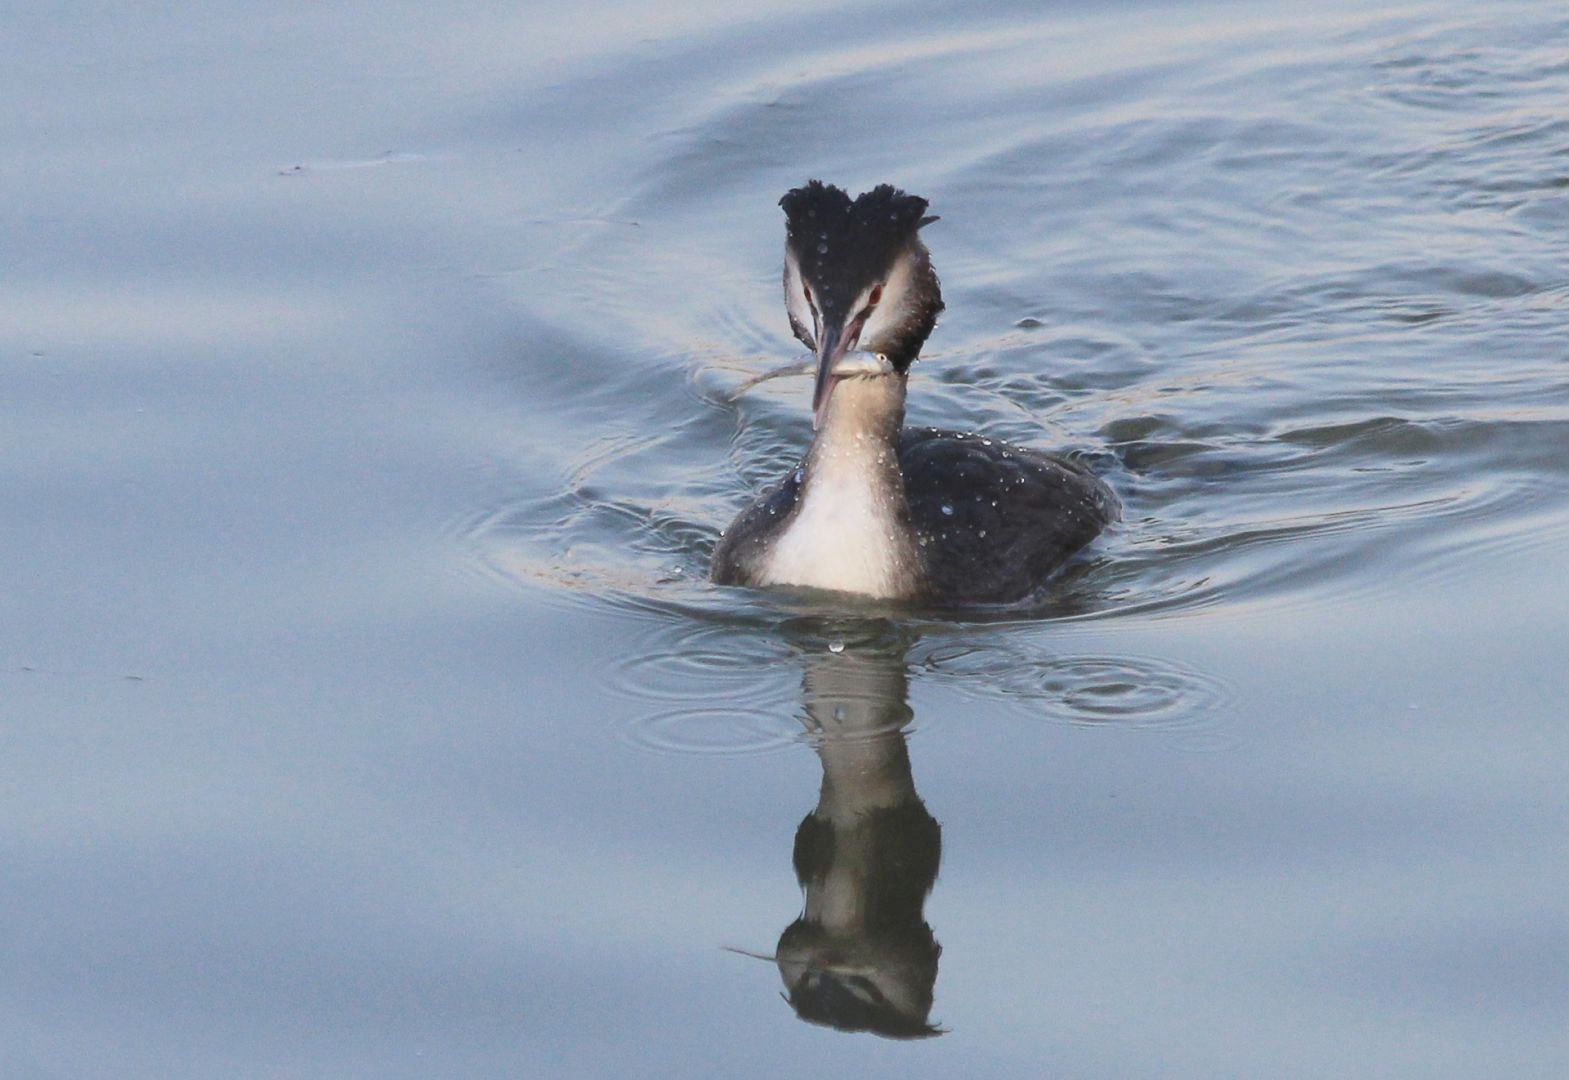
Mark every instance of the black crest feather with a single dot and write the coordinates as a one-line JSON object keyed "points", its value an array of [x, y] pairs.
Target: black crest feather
{"points": [[843, 243]]}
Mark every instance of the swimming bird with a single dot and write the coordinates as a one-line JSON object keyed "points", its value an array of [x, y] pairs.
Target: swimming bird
{"points": [[878, 509]]}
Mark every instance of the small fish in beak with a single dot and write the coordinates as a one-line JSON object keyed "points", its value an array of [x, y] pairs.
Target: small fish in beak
{"points": [[839, 362]]}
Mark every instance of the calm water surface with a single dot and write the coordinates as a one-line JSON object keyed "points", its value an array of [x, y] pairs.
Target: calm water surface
{"points": [[376, 380]]}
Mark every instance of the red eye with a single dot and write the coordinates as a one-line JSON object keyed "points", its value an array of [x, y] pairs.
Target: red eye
{"points": [[876, 295], [806, 291]]}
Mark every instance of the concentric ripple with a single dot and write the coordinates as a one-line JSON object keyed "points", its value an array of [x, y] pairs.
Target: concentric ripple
{"points": [[709, 663], [725, 730], [1089, 689], [707, 689]]}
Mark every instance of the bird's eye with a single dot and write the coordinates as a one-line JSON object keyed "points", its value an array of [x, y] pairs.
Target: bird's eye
{"points": [[806, 291], [874, 297]]}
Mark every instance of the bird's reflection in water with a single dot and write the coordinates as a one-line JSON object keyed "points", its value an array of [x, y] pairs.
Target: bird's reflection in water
{"points": [[861, 957]]}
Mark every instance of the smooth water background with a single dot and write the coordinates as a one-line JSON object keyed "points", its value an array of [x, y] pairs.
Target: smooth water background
{"points": [[369, 404]]}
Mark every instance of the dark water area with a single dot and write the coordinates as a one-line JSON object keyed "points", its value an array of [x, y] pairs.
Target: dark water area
{"points": [[374, 382]]}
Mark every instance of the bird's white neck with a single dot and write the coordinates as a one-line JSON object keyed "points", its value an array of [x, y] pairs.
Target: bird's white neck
{"points": [[850, 530]]}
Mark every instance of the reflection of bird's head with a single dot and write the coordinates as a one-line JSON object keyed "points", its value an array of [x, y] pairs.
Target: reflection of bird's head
{"points": [[886, 988], [852, 1002]]}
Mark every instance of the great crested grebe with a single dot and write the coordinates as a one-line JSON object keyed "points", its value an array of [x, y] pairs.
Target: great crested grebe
{"points": [[878, 509]]}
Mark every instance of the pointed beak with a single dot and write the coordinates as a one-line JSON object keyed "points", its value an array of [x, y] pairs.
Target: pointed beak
{"points": [[831, 346]]}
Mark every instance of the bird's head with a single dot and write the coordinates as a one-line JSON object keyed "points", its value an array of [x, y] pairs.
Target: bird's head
{"points": [[859, 284]]}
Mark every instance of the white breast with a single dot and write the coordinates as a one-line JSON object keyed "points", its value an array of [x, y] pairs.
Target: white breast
{"points": [[846, 534]]}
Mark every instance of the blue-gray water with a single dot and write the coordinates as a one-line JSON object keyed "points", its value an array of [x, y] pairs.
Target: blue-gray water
{"points": [[368, 407]]}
